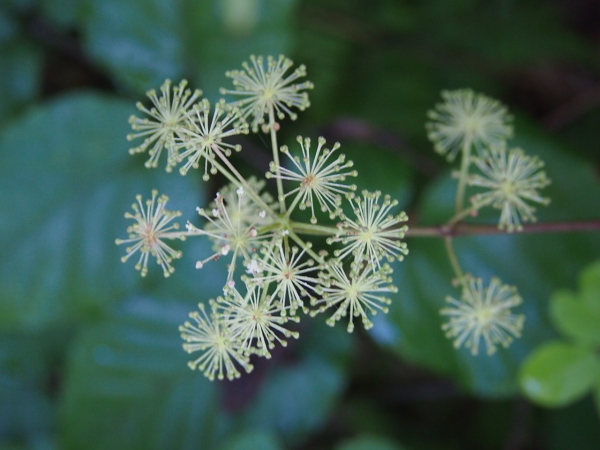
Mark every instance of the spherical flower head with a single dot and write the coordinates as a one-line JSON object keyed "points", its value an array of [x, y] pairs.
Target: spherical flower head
{"points": [[483, 314], [167, 116], [149, 231], [359, 293], [268, 90], [255, 319], [221, 354], [293, 277], [243, 208], [203, 136], [467, 119], [321, 176], [234, 233], [375, 233], [511, 178]]}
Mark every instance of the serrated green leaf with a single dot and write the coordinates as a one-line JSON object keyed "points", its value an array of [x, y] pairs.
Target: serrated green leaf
{"points": [[574, 318], [537, 264], [68, 180], [128, 385], [367, 442], [558, 373]]}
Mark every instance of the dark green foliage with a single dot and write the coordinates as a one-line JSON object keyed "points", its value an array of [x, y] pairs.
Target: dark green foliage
{"points": [[90, 355]]}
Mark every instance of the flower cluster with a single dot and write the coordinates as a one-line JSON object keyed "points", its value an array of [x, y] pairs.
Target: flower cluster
{"points": [[510, 177], [466, 118], [268, 253], [483, 314], [268, 91], [508, 180], [150, 229]]}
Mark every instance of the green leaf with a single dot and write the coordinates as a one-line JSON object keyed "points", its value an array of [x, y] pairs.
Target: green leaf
{"points": [[367, 442], [20, 77], [558, 373], [296, 399], [253, 440], [379, 170], [574, 318], [66, 13], [128, 385], [144, 42], [224, 33], [27, 403], [589, 284], [68, 180], [537, 264]]}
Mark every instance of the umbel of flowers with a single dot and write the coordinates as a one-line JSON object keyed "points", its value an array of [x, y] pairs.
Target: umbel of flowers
{"points": [[274, 275], [477, 128]]}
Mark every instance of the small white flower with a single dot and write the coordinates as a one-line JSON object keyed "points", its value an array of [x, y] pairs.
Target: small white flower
{"points": [[231, 233], [359, 294], [466, 118], [284, 267], [254, 267], [202, 138], [149, 231], [512, 178], [255, 320], [268, 89], [375, 234], [211, 336], [166, 119], [321, 177], [483, 313]]}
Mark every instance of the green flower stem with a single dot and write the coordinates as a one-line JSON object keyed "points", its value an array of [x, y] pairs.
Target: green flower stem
{"points": [[305, 246], [293, 205], [239, 180], [465, 212], [453, 259], [462, 178], [315, 230], [275, 149]]}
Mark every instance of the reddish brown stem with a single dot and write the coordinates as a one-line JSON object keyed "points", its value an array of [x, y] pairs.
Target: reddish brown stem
{"points": [[466, 229]]}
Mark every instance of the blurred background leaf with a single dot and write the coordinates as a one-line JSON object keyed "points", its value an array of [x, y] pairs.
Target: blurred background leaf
{"points": [[90, 354]]}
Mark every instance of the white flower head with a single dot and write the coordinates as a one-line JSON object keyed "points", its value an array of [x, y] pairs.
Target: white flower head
{"points": [[466, 118], [483, 314], [358, 294], [221, 353], [242, 207], [232, 233], [293, 277], [204, 134], [375, 233], [511, 179], [149, 231], [321, 176], [255, 320], [268, 89], [167, 116]]}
